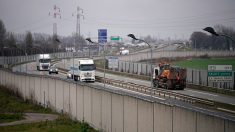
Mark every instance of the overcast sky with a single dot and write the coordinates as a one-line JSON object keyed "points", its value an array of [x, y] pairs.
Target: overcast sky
{"points": [[158, 18]]}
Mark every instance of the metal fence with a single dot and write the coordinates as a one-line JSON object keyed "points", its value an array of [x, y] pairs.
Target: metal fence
{"points": [[19, 59]]}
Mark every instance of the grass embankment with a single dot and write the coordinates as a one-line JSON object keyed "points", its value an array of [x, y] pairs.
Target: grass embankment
{"points": [[202, 63], [62, 124], [13, 107]]}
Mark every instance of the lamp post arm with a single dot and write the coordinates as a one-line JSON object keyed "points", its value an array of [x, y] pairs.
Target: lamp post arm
{"points": [[141, 40], [228, 37]]}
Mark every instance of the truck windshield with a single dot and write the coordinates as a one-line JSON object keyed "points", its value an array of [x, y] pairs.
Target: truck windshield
{"points": [[89, 67], [45, 60]]}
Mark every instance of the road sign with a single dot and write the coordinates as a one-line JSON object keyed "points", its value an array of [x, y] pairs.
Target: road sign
{"points": [[220, 73], [113, 62], [102, 36], [219, 67], [115, 38]]}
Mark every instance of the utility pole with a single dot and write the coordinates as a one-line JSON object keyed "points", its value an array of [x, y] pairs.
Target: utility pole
{"points": [[55, 14], [79, 14]]}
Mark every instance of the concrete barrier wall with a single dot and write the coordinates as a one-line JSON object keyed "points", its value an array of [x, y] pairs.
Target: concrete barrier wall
{"points": [[110, 111]]}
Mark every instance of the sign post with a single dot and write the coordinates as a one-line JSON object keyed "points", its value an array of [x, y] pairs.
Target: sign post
{"points": [[102, 36]]}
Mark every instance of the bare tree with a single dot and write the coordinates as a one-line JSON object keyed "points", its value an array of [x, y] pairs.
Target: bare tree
{"points": [[11, 41], [2, 35], [29, 40], [199, 40]]}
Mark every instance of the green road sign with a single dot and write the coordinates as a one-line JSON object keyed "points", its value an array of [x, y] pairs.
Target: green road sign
{"points": [[115, 38], [217, 73], [220, 73]]}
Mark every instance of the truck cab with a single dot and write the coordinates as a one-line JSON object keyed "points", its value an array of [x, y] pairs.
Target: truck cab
{"points": [[43, 62], [83, 70]]}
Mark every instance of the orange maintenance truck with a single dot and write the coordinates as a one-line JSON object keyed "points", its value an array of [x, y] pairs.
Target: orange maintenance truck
{"points": [[169, 77]]}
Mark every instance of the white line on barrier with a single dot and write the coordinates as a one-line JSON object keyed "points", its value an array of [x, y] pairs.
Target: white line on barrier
{"points": [[222, 109], [202, 93]]}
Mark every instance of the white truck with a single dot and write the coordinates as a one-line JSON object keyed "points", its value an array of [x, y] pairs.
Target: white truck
{"points": [[43, 62], [82, 70], [124, 52]]}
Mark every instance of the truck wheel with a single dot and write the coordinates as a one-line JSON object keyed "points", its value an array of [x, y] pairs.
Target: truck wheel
{"points": [[75, 78], [155, 83], [165, 86]]}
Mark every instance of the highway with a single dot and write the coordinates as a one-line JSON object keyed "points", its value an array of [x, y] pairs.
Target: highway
{"points": [[192, 92], [31, 69]]}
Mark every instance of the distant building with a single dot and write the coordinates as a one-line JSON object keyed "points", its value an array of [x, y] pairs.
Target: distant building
{"points": [[70, 49]]}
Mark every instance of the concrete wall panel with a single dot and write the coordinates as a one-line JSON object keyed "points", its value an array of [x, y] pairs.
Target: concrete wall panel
{"points": [[23, 84], [38, 89], [184, 120], [117, 113], [106, 111], [73, 100], [44, 91], [229, 126], [1, 77], [130, 114], [162, 118], [52, 94], [66, 97], [87, 104], [145, 116], [206, 123], [96, 108], [80, 102], [59, 95], [32, 88]]}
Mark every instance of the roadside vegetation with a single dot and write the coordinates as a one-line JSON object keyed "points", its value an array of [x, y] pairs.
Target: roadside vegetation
{"points": [[62, 124], [13, 107], [202, 63]]}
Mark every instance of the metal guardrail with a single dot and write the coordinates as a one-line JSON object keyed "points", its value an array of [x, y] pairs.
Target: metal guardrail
{"points": [[155, 92]]}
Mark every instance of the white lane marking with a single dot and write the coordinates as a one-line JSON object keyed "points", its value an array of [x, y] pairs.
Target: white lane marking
{"points": [[202, 93], [134, 92]]}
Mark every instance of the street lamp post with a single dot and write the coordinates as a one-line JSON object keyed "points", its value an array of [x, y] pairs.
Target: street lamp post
{"points": [[151, 52], [90, 41], [213, 32]]}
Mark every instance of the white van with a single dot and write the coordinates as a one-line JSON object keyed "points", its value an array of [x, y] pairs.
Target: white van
{"points": [[83, 70]]}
